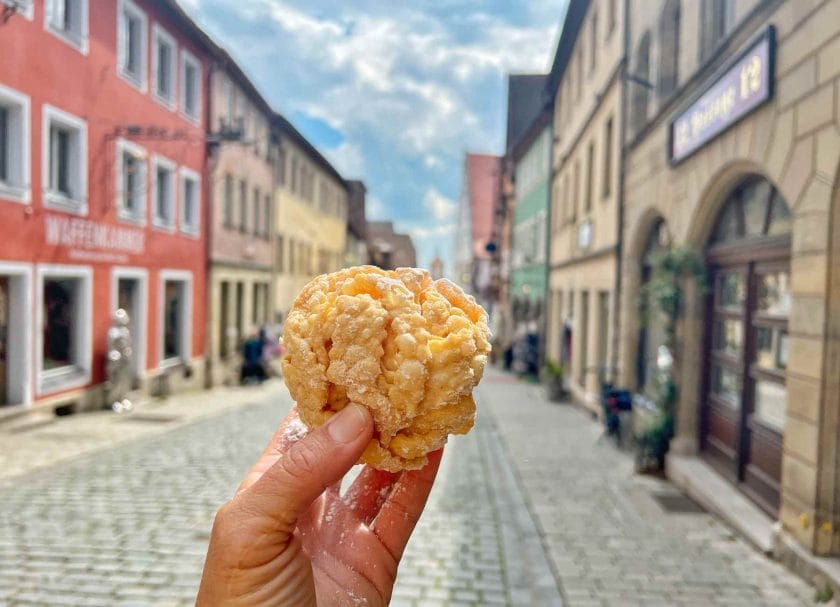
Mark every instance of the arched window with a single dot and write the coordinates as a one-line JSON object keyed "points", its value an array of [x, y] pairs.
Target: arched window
{"points": [[754, 209], [652, 329], [639, 84], [669, 48]]}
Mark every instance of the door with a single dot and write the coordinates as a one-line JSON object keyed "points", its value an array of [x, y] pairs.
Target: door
{"points": [[128, 298], [4, 339]]}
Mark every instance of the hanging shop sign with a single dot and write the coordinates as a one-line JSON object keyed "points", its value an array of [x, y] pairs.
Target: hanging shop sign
{"points": [[744, 85]]}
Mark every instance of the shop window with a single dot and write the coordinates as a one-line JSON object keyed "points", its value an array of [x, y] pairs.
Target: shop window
{"points": [[583, 342], [131, 181], [163, 188], [190, 201], [669, 48], [14, 145], [257, 203], [163, 65], [65, 158], [639, 84], [243, 206], [176, 315], [190, 86], [65, 325], [68, 19], [229, 203], [131, 43]]}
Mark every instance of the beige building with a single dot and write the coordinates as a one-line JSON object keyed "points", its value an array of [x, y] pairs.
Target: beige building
{"points": [[585, 87], [310, 220], [241, 185], [733, 151]]}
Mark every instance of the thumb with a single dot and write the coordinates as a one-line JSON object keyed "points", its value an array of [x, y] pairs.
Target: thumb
{"points": [[312, 464]]}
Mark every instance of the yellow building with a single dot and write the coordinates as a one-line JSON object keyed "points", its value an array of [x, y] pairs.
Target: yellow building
{"points": [[585, 86], [310, 219]]}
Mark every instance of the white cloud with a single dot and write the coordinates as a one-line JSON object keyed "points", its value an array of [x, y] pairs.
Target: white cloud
{"points": [[375, 209], [441, 207], [438, 231], [347, 159]]}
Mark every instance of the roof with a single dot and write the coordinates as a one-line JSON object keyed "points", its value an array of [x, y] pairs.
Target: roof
{"points": [[287, 128], [525, 102], [572, 23], [483, 175]]}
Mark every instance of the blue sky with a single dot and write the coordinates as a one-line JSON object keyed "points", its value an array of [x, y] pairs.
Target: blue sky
{"points": [[393, 93]]}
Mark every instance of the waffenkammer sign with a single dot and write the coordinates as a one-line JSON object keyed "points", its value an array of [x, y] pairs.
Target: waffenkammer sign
{"points": [[80, 233], [745, 85]]}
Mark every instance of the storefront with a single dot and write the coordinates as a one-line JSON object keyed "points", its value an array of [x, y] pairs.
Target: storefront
{"points": [[738, 164]]}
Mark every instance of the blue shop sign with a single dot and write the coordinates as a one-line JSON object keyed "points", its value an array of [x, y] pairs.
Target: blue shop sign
{"points": [[745, 84]]}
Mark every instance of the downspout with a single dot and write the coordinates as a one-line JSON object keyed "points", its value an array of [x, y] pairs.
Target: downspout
{"points": [[620, 193]]}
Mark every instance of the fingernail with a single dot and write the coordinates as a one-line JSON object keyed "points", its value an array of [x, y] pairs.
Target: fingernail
{"points": [[346, 425]]}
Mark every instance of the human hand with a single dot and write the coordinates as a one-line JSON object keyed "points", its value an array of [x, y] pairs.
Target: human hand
{"points": [[289, 538]]}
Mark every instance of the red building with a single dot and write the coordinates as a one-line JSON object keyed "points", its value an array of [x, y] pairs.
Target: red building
{"points": [[103, 111]]}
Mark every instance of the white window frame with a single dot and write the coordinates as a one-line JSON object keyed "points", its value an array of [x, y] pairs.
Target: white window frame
{"points": [[140, 337], [21, 306], [78, 375], [159, 161], [186, 277], [128, 147], [141, 81], [188, 58], [81, 44], [25, 9], [183, 175], [19, 190], [79, 204], [161, 35]]}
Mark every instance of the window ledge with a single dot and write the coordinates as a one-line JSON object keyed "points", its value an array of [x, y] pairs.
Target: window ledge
{"points": [[78, 42], [62, 378], [15, 193], [61, 202], [132, 218], [138, 82], [191, 118], [167, 103], [193, 232], [172, 363], [163, 226]]}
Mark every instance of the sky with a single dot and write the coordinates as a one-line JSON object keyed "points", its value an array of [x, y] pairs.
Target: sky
{"points": [[391, 92]]}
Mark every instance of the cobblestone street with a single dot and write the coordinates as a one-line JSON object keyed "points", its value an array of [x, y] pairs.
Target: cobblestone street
{"points": [[128, 524]]}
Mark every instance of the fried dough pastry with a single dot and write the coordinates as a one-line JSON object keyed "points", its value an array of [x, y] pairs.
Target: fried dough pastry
{"points": [[409, 349]]}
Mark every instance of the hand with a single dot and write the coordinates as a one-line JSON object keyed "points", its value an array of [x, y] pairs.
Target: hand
{"points": [[289, 538]]}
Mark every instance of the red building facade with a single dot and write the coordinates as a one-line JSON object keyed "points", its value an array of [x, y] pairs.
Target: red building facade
{"points": [[103, 111]]}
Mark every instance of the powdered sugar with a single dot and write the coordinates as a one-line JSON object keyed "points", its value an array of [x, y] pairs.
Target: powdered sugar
{"points": [[295, 431]]}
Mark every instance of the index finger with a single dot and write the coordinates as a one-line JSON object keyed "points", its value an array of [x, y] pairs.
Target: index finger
{"points": [[401, 511], [291, 430]]}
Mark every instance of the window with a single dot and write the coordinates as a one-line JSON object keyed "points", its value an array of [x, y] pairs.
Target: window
{"points": [[612, 18], [583, 342], [580, 72], [228, 211], [64, 321], [190, 201], [243, 206], [279, 254], [593, 42], [603, 327], [131, 43], [68, 19], [606, 186], [175, 317], [257, 206], [131, 181], [575, 190], [281, 166], [163, 188], [267, 217], [639, 94], [715, 17], [163, 66], [669, 48], [292, 256], [14, 146], [190, 86], [294, 175], [590, 169], [65, 161]]}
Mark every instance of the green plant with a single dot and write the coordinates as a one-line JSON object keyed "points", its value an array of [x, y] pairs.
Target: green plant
{"points": [[663, 293], [553, 370], [824, 594]]}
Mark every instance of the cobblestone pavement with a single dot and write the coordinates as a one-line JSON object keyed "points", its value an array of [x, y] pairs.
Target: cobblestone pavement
{"points": [[610, 540], [128, 525]]}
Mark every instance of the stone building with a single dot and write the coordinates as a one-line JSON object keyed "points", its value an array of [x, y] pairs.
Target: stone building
{"points": [[356, 249], [310, 218], [241, 184], [585, 88], [732, 151]]}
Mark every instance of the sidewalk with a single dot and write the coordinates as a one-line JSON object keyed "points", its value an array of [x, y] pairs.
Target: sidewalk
{"points": [[616, 538], [69, 437]]}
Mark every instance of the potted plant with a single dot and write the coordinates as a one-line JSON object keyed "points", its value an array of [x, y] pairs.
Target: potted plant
{"points": [[554, 381]]}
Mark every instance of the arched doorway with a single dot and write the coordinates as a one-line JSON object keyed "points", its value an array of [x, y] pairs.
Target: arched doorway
{"points": [[652, 327], [749, 304]]}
